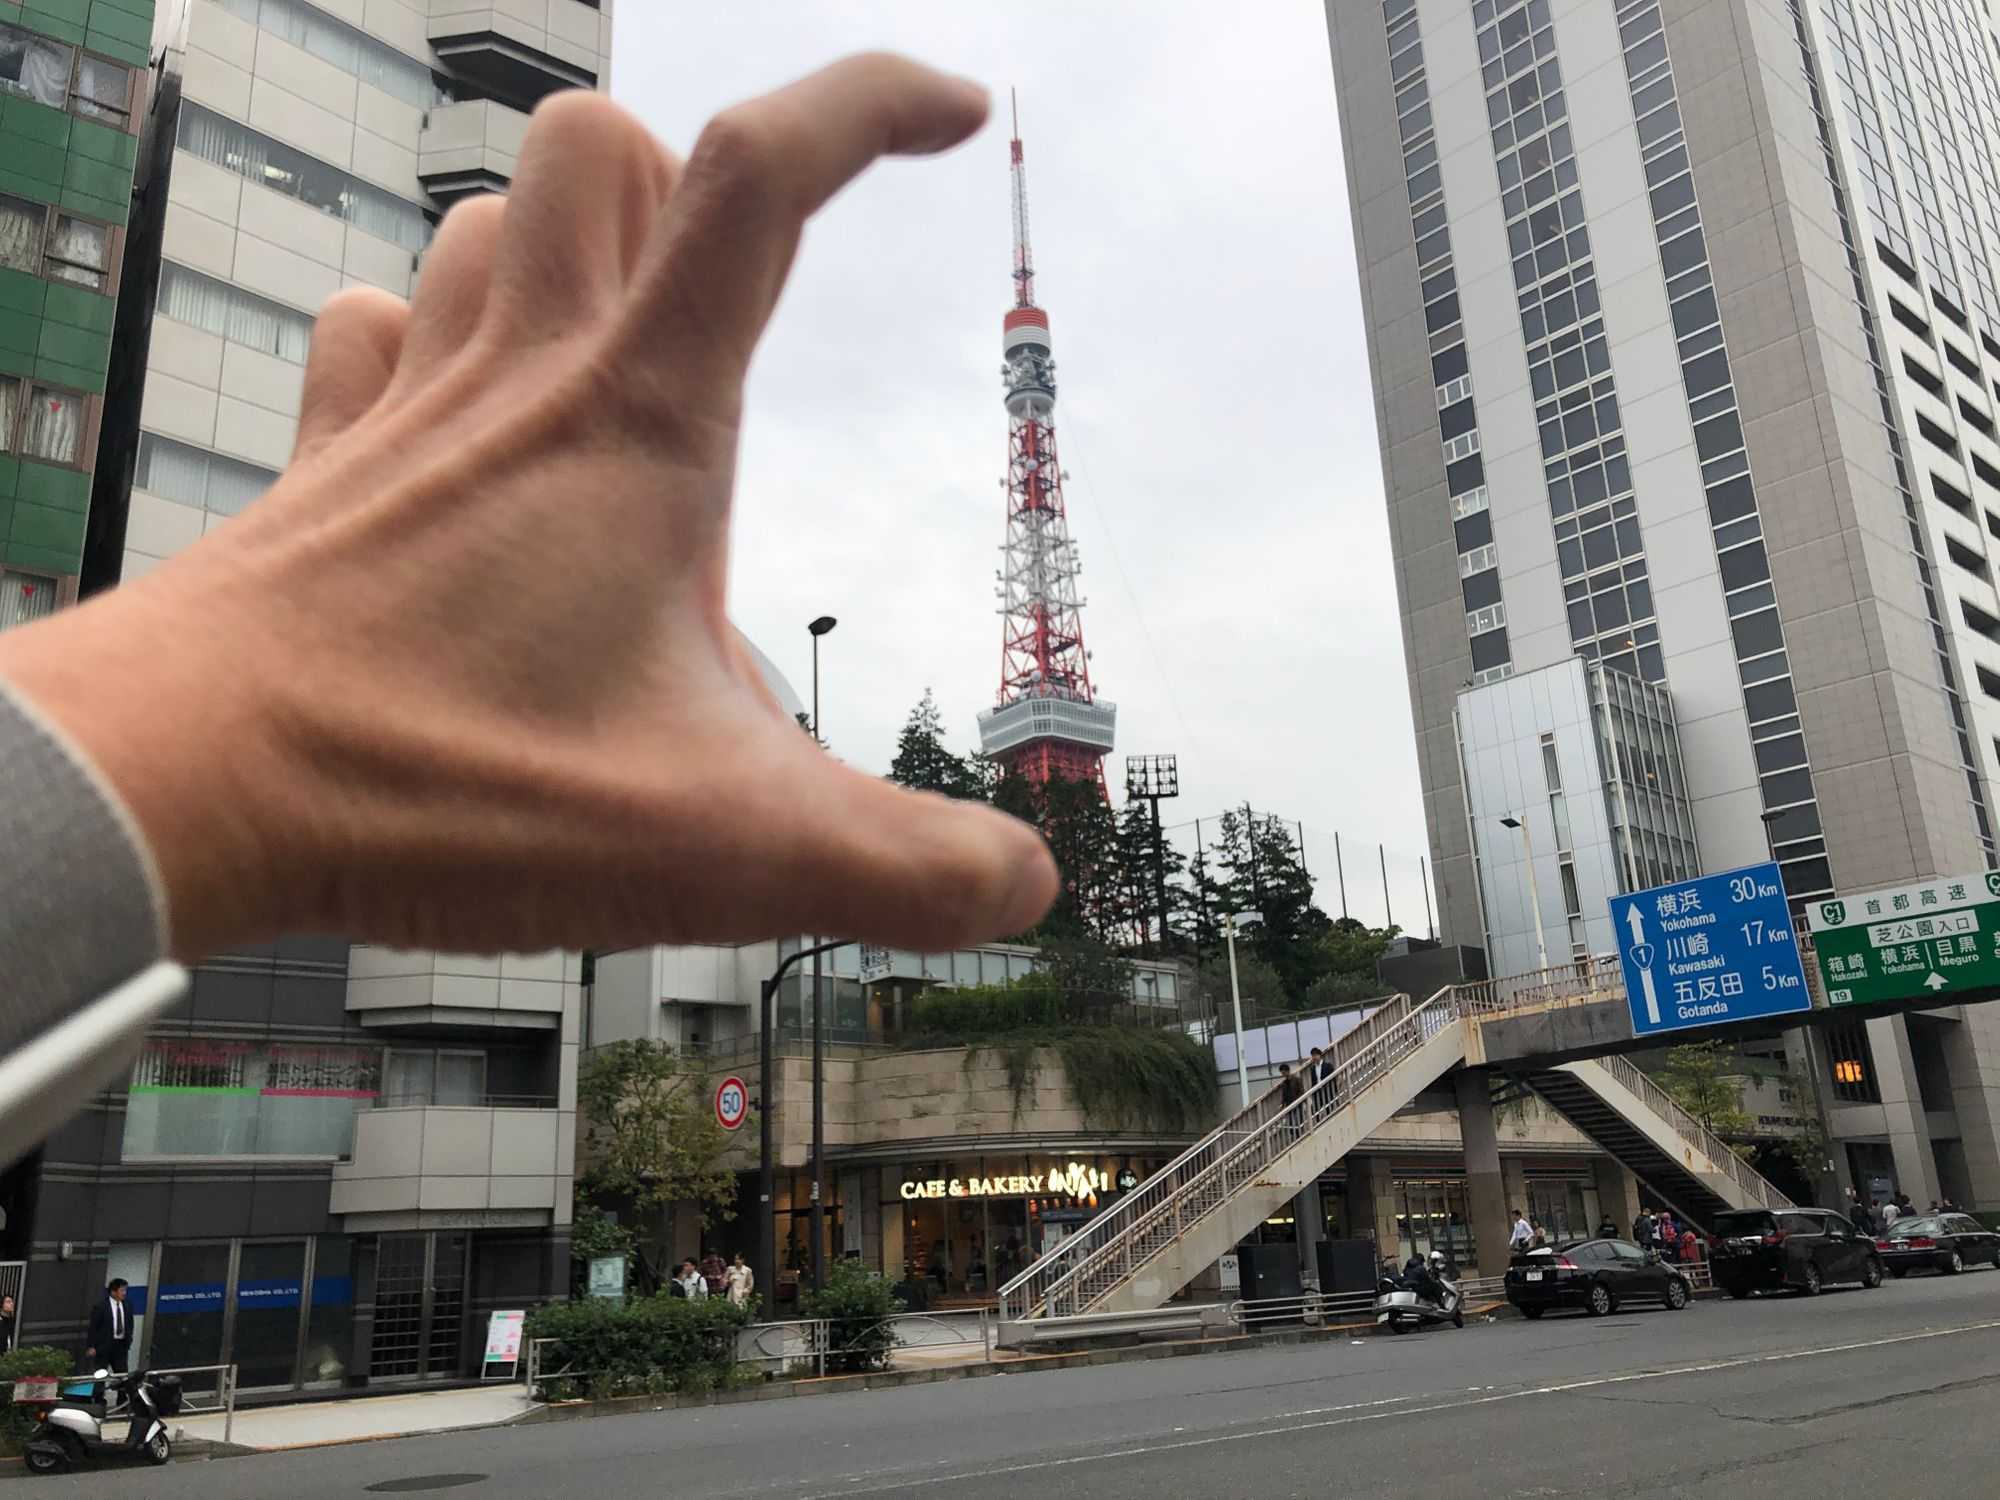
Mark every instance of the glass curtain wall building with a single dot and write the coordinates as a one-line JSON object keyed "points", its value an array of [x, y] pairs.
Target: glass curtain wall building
{"points": [[1726, 286]]}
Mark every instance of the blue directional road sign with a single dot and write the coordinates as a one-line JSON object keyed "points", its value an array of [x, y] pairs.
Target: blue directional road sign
{"points": [[1702, 952]]}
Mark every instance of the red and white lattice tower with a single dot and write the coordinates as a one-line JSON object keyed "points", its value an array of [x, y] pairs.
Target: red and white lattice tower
{"points": [[1047, 722]]}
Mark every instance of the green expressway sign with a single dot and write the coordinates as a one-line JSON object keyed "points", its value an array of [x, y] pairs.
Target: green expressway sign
{"points": [[1936, 938]]}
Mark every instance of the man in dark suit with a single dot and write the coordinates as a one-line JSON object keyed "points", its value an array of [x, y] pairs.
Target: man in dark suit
{"points": [[108, 1344]]}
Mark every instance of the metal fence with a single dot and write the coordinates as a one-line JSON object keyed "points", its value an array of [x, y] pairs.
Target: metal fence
{"points": [[197, 1400]]}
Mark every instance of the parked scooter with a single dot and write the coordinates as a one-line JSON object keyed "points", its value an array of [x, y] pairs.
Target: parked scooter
{"points": [[78, 1425], [1402, 1306]]}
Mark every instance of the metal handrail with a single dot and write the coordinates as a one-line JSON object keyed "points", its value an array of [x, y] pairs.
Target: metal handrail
{"points": [[1061, 1282], [1712, 1145], [1255, 1137]]}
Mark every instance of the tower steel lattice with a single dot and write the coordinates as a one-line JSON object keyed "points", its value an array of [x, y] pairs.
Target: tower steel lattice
{"points": [[1047, 720]]}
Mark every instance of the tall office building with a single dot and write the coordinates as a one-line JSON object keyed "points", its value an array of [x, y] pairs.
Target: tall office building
{"points": [[332, 1161], [1684, 327]]}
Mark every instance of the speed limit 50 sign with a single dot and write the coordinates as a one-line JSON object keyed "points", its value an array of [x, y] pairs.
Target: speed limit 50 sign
{"points": [[732, 1102]]}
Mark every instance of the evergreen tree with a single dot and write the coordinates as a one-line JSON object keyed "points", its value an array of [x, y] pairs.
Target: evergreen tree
{"points": [[923, 762], [1258, 867], [1141, 869], [1081, 833]]}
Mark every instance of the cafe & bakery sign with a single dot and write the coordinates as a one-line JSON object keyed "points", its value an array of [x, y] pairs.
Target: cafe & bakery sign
{"points": [[1074, 1179]]}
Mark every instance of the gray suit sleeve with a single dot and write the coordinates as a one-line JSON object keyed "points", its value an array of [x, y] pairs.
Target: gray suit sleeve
{"points": [[81, 908]]}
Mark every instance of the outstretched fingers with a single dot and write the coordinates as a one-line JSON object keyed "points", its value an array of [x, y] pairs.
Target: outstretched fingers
{"points": [[355, 348], [724, 245]]}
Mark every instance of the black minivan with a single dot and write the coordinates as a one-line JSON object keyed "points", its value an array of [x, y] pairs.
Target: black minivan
{"points": [[1761, 1249]]}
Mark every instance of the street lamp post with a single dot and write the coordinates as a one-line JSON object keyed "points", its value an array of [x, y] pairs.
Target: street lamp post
{"points": [[767, 1243], [817, 629], [1534, 894], [1230, 922]]}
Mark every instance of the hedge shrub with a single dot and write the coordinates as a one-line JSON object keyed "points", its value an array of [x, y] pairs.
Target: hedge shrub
{"points": [[856, 1306], [646, 1345], [21, 1364]]}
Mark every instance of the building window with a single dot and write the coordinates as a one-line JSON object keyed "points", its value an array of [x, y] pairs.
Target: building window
{"points": [[103, 91], [24, 597], [54, 429], [283, 169], [230, 312], [434, 1076], [40, 422], [33, 66], [208, 1097], [332, 41], [193, 476], [80, 252], [21, 235]]}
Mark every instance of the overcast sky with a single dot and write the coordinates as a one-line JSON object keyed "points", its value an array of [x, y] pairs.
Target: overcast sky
{"points": [[1193, 249]]}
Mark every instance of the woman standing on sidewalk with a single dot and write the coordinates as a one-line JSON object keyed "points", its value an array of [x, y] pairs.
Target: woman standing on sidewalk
{"points": [[740, 1280]]}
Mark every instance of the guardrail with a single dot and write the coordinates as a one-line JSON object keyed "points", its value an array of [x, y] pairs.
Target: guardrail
{"points": [[1739, 1171], [193, 1402]]}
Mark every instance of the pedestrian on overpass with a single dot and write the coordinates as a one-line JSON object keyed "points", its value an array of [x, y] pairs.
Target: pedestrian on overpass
{"points": [[1291, 1089]]}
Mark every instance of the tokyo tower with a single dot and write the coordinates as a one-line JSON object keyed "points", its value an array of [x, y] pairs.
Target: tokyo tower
{"points": [[1046, 721]]}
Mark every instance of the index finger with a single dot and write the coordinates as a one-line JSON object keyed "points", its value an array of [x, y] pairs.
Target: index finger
{"points": [[720, 253]]}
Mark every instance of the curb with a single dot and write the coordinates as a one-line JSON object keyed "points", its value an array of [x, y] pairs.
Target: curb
{"points": [[835, 1385]]}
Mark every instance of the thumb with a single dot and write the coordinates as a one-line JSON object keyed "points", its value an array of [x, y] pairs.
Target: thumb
{"points": [[876, 861]]}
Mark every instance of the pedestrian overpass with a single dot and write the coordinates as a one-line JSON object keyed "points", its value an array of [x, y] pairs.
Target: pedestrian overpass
{"points": [[1560, 1031]]}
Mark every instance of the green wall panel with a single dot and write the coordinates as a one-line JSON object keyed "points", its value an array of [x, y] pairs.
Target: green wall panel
{"points": [[41, 526], [16, 362], [60, 489], [101, 143], [6, 516], [76, 377], [20, 334], [61, 19], [10, 470], [77, 307], [43, 559], [73, 345], [20, 292]]}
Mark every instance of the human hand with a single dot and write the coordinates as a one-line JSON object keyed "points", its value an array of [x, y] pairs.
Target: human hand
{"points": [[464, 678]]}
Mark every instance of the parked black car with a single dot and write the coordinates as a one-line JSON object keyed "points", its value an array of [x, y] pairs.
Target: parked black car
{"points": [[1595, 1275], [1761, 1250], [1937, 1242]]}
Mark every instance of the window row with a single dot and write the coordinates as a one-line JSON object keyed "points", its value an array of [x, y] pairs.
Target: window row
{"points": [[1457, 416], [40, 421], [1864, 310], [195, 477], [43, 241], [232, 313], [349, 49], [284, 169], [54, 73]]}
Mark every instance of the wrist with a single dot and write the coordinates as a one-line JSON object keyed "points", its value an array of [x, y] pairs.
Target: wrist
{"points": [[173, 735]]}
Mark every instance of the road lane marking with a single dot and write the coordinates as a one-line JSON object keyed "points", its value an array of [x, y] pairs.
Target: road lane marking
{"points": [[1396, 1406]]}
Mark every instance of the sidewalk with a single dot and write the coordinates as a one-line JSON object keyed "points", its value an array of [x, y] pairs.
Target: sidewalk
{"points": [[362, 1419]]}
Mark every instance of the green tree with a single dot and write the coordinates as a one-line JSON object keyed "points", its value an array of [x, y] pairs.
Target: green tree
{"points": [[652, 1139], [923, 762], [1258, 867], [1704, 1078], [1352, 948], [1142, 868]]}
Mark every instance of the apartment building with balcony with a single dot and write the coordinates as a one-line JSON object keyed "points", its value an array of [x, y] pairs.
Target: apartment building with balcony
{"points": [[73, 91], [333, 1160]]}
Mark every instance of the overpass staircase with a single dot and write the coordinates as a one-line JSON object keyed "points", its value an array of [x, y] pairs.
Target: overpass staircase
{"points": [[1156, 1239]]}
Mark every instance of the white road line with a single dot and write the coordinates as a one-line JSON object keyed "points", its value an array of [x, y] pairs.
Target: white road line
{"points": [[1364, 1411]]}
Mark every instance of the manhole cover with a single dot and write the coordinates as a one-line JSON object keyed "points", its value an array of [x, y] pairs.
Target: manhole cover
{"points": [[418, 1482]]}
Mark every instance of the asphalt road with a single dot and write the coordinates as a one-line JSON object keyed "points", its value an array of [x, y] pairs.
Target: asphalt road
{"points": [[1855, 1393]]}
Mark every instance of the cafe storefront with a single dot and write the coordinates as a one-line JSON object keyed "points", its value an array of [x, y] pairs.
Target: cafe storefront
{"points": [[964, 1226]]}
